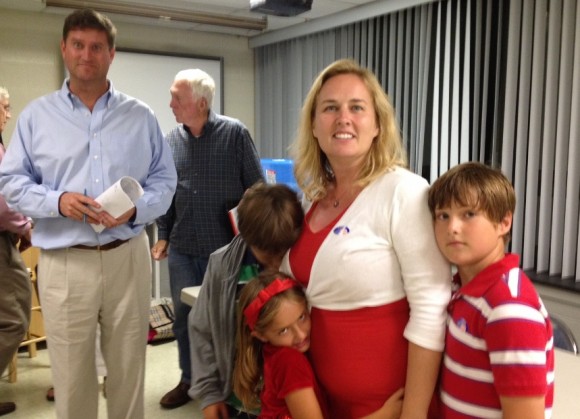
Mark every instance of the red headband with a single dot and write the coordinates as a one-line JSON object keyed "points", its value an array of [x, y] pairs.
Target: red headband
{"points": [[252, 311]]}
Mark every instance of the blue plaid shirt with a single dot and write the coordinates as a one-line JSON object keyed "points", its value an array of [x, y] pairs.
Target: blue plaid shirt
{"points": [[213, 171]]}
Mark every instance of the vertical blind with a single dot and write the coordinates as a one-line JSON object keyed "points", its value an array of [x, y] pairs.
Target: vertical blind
{"points": [[491, 81]]}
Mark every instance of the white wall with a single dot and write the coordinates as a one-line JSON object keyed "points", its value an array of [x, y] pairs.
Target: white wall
{"points": [[31, 65]]}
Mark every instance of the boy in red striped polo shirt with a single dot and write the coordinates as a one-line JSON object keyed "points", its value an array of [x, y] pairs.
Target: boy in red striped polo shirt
{"points": [[499, 357]]}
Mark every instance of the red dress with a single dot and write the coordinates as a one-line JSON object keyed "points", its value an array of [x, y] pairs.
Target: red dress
{"points": [[359, 356]]}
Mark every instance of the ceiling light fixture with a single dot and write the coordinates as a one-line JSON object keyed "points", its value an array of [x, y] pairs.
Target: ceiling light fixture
{"points": [[163, 13]]}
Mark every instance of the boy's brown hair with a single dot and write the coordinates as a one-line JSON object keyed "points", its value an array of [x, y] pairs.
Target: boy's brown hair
{"points": [[270, 214], [476, 185]]}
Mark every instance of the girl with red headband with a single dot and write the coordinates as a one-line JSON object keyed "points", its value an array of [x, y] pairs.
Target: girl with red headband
{"points": [[271, 369]]}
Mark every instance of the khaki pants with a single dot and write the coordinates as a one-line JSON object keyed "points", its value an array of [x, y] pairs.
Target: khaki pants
{"points": [[80, 289]]}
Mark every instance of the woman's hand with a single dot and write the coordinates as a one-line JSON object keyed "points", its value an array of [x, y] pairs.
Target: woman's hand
{"points": [[392, 407]]}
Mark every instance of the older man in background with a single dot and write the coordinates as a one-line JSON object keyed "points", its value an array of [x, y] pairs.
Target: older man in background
{"points": [[14, 278], [216, 162]]}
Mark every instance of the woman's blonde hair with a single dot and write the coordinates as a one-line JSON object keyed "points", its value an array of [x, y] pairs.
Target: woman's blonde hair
{"points": [[249, 364], [311, 167]]}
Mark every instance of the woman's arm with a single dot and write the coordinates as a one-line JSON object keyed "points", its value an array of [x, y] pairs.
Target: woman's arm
{"points": [[303, 404], [422, 372]]}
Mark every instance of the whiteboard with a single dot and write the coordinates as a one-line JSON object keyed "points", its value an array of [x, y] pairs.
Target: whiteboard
{"points": [[148, 75]]}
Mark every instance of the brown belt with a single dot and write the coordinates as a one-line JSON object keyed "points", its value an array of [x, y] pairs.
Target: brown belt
{"points": [[102, 247]]}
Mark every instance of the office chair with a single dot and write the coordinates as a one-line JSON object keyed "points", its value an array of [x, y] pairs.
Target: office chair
{"points": [[563, 336]]}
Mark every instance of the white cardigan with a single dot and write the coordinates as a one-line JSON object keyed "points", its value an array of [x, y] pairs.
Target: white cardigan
{"points": [[381, 250]]}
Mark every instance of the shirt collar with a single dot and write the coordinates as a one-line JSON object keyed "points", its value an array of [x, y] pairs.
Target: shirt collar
{"points": [[207, 128], [487, 277], [73, 100]]}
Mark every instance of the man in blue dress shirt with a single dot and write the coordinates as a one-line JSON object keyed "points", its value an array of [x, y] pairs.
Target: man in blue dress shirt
{"points": [[69, 147]]}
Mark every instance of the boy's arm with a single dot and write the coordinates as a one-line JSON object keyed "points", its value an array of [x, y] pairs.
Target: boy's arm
{"points": [[522, 407], [205, 377], [216, 411]]}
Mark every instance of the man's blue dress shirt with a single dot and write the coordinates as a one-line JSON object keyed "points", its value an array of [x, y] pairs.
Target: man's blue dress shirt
{"points": [[59, 146]]}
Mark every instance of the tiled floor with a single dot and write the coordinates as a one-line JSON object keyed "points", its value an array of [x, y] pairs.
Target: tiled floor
{"points": [[28, 392]]}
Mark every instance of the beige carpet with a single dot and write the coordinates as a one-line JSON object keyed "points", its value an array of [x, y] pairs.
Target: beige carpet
{"points": [[29, 391]]}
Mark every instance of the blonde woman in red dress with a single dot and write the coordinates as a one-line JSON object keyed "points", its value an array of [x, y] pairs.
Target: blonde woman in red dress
{"points": [[375, 279]]}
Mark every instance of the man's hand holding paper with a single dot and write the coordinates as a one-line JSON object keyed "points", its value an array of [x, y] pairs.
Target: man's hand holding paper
{"points": [[79, 207], [109, 221], [117, 204]]}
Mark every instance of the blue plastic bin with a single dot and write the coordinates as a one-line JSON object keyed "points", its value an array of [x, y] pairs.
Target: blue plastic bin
{"points": [[279, 171]]}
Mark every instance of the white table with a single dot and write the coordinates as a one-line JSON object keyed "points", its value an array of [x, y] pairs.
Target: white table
{"points": [[566, 399], [189, 294]]}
